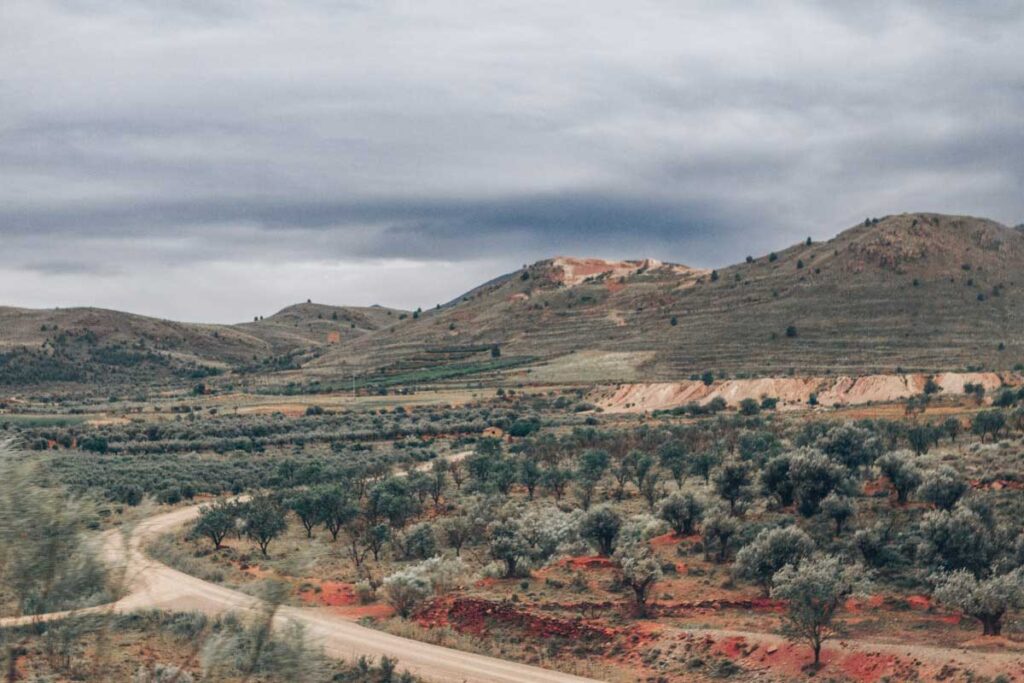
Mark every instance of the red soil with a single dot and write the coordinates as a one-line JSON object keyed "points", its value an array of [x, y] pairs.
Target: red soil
{"points": [[998, 485], [762, 604], [868, 666], [792, 660], [586, 562], [331, 594], [671, 539], [919, 601], [477, 616], [375, 611]]}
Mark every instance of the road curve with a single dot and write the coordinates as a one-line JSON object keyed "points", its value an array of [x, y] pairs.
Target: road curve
{"points": [[152, 584]]}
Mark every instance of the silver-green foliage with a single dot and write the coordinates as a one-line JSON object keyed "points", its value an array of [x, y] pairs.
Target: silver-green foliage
{"points": [[47, 563]]}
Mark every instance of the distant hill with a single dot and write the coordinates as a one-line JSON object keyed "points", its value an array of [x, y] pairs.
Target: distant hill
{"points": [[915, 292], [103, 347], [313, 325]]}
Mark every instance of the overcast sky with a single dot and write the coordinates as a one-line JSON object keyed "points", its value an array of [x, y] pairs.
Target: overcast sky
{"points": [[218, 159]]}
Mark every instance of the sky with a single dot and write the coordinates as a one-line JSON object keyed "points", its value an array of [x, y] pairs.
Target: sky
{"points": [[212, 160]]}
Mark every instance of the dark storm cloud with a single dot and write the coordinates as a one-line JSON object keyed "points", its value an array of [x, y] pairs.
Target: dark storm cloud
{"points": [[422, 229], [160, 155]]}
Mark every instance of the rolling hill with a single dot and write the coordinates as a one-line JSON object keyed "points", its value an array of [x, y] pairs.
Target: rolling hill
{"points": [[914, 292]]}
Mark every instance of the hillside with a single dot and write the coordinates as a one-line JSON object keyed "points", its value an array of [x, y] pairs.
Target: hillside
{"points": [[97, 346], [914, 291]]}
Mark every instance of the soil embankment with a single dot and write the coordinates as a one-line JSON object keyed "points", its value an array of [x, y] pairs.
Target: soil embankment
{"points": [[793, 392]]}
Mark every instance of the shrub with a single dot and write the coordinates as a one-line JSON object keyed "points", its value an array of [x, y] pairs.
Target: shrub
{"points": [[406, 591]]}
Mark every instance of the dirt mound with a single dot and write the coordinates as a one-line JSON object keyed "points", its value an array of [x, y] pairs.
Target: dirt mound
{"points": [[477, 616], [574, 271], [792, 392]]}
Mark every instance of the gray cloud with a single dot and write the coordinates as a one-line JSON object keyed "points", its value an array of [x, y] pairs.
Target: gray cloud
{"points": [[143, 144]]}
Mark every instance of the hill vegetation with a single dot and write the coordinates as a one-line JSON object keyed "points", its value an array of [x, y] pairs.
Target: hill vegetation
{"points": [[912, 292]]}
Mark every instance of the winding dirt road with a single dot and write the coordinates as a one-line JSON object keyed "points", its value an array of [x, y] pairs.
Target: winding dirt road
{"points": [[152, 584]]}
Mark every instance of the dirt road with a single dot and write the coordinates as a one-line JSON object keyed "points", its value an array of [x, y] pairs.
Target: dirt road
{"points": [[152, 584]]}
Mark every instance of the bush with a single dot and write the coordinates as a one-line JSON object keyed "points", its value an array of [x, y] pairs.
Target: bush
{"points": [[406, 591]]}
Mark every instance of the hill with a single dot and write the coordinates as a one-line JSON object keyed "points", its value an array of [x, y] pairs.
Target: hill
{"points": [[100, 347], [313, 325], [906, 293], [912, 291], [104, 347]]}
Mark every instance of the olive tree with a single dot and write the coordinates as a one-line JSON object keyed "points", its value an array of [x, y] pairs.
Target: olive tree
{"points": [[335, 509], [900, 468], [601, 526], [988, 422], [775, 480], [638, 569], [682, 511], [957, 539], [264, 521], [508, 545], [718, 530], [732, 480], [304, 504], [456, 531], [215, 522], [672, 456], [814, 476], [839, 509], [942, 487], [770, 551], [987, 600], [850, 445], [813, 592]]}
